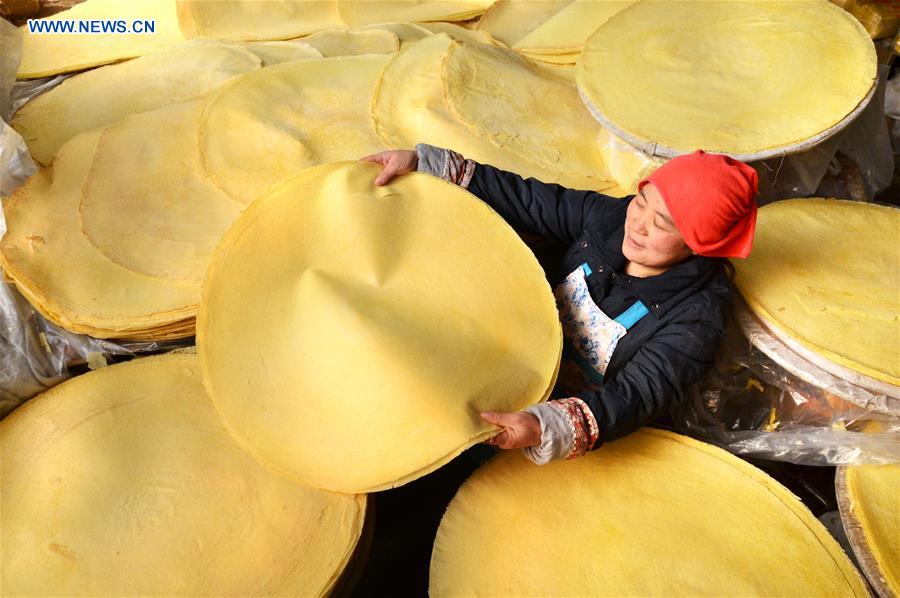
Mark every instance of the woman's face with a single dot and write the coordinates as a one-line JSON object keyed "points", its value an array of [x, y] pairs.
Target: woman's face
{"points": [[651, 239]]}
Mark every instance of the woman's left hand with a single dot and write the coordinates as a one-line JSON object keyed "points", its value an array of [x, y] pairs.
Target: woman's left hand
{"points": [[519, 429]]}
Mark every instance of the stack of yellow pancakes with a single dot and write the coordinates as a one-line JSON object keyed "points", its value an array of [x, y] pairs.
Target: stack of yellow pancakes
{"points": [[124, 481], [114, 235]]}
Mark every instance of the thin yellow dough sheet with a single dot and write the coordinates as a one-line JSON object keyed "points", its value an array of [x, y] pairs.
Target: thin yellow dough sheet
{"points": [[409, 108], [108, 94], [256, 19], [365, 12], [276, 52], [461, 34], [123, 481], [147, 205], [353, 42], [568, 29], [405, 32], [510, 20], [653, 514], [523, 107], [350, 334], [869, 499], [66, 277], [45, 54], [264, 127], [825, 272], [730, 77]]}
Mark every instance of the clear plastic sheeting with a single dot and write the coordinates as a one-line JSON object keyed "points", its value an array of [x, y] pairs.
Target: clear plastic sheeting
{"points": [[36, 354], [16, 164], [754, 407], [865, 141]]}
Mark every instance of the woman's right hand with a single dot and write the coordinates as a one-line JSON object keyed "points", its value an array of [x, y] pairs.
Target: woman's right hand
{"points": [[393, 162]]}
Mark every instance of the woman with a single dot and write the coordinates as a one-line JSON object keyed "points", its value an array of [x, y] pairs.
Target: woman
{"points": [[642, 293]]}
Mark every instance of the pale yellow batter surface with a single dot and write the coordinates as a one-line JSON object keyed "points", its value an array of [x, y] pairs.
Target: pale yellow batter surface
{"points": [[826, 272], [510, 20], [146, 203], [409, 107], [124, 482], [66, 277], [46, 54], [874, 494], [106, 95], [350, 335], [256, 19], [654, 514], [730, 77], [276, 52], [523, 107], [262, 128], [279, 19], [363, 12], [569, 28], [353, 42]]}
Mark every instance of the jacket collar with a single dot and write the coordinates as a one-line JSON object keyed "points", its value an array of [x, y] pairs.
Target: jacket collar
{"points": [[662, 292]]}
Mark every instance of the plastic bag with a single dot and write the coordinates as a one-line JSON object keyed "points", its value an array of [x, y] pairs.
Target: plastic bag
{"points": [[753, 407]]}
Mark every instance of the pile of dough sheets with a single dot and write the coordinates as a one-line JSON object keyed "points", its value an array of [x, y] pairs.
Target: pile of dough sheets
{"points": [[112, 237], [156, 24], [124, 481], [653, 514], [867, 497], [553, 31], [823, 278]]}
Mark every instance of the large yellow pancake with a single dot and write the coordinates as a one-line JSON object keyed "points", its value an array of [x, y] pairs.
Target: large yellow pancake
{"points": [[108, 94], [826, 273], [50, 54], [147, 206], [731, 77], [124, 481], [569, 28], [352, 42], [869, 499], [267, 126], [63, 274], [351, 334], [523, 107], [510, 20], [409, 108], [653, 514], [256, 19]]}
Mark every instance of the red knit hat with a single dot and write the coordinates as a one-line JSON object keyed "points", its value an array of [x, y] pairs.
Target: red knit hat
{"points": [[710, 197]]}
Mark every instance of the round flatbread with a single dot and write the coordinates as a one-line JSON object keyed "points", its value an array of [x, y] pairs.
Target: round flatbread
{"points": [[124, 481], [350, 335], [654, 514], [867, 498], [751, 79], [824, 273]]}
